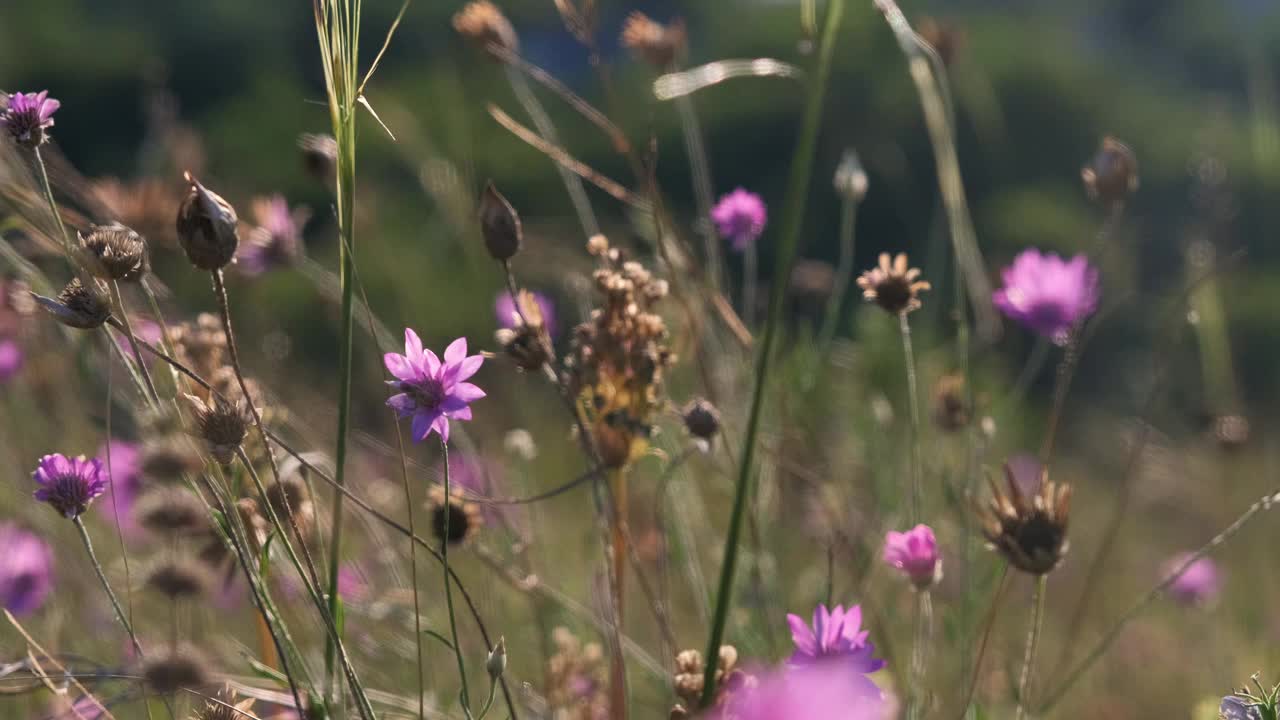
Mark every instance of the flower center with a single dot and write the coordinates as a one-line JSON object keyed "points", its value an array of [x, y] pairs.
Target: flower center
{"points": [[427, 394]]}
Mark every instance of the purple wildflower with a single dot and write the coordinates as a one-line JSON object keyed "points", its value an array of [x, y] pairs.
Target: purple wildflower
{"points": [[433, 392], [824, 690], [1198, 585], [352, 585], [26, 570], [10, 359], [126, 484], [277, 240], [69, 484], [914, 553], [1047, 294], [505, 309], [740, 217], [1234, 707], [836, 633], [29, 116]]}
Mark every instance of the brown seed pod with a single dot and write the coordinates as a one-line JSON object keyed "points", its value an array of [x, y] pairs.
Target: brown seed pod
{"points": [[500, 225], [207, 227]]}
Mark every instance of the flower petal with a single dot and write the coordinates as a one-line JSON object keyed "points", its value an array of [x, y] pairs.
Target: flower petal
{"points": [[466, 392], [400, 366], [402, 403], [463, 369], [413, 347], [422, 424], [441, 425], [456, 351]]}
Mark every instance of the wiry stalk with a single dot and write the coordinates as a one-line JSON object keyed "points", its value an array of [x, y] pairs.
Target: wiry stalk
{"points": [[703, 190], [448, 586], [106, 586], [793, 218], [923, 633], [413, 573], [1033, 642], [913, 398], [844, 273]]}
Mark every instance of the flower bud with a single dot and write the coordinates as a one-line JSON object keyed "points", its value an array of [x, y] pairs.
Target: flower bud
{"points": [[1112, 175], [207, 227], [850, 180], [497, 662], [500, 225]]}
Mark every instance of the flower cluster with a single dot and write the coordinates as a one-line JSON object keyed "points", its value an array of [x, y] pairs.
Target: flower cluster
{"points": [[618, 357]]}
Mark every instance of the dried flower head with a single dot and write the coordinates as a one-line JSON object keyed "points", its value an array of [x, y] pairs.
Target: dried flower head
{"points": [[851, 179], [483, 23], [701, 419], [77, 305], [1047, 294], [172, 512], [28, 117], [319, 156], [207, 227], [222, 425], [69, 484], [618, 357], [1028, 526], [224, 707], [499, 224], [432, 392], [691, 671], [951, 411], [291, 496], [577, 677], [1112, 176], [176, 579], [276, 241], [740, 217], [114, 252], [463, 516], [167, 461], [893, 285], [651, 41], [527, 341], [180, 669], [26, 570]]}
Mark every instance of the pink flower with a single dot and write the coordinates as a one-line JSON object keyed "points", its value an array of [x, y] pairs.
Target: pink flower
{"points": [[835, 634], [1199, 584], [10, 359], [914, 553], [26, 570], [29, 116], [740, 217], [1047, 294], [433, 392], [69, 484], [823, 691]]}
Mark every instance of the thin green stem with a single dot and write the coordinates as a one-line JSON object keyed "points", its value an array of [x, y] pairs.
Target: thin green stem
{"points": [[793, 219], [133, 343], [1033, 642], [413, 574], [53, 205], [106, 585], [913, 399], [448, 586], [923, 634], [750, 280], [844, 273]]}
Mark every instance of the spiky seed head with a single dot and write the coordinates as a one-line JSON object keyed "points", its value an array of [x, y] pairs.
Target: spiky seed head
{"points": [[1029, 531], [500, 225], [172, 512], [483, 23], [207, 227], [78, 306], [651, 41], [224, 707], [701, 419], [177, 579], [114, 252], [179, 669], [463, 516], [222, 424], [1112, 176], [168, 461], [893, 285]]}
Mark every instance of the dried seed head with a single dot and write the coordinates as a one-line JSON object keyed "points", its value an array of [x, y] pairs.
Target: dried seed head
{"points": [[851, 179], [893, 285], [168, 461], [222, 425], [172, 512], [114, 252], [463, 516], [951, 410], [657, 44], [207, 227], [225, 707], [290, 496], [701, 419], [690, 672], [78, 306], [1030, 532], [180, 669], [319, 156], [528, 343], [1112, 176], [179, 580], [483, 23], [500, 225]]}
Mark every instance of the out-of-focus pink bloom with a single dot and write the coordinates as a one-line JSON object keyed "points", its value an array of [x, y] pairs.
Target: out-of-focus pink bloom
{"points": [[505, 310], [914, 553], [126, 485], [1047, 294], [821, 691], [10, 359], [836, 634], [740, 217], [26, 570], [1199, 584]]}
